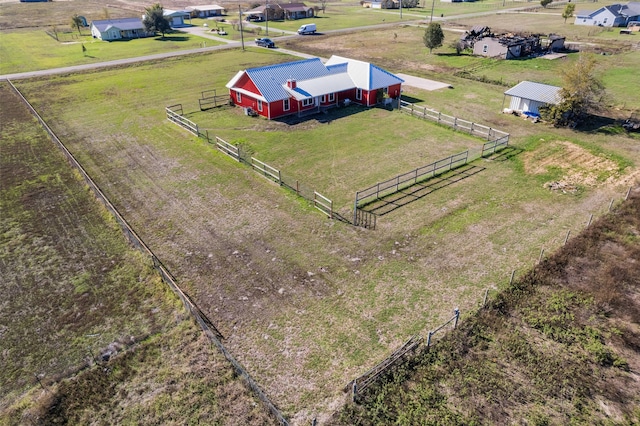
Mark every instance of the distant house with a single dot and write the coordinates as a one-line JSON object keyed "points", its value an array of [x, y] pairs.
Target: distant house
{"points": [[381, 4], [118, 29], [507, 47], [296, 10], [205, 11], [176, 17], [615, 15], [528, 97], [309, 86]]}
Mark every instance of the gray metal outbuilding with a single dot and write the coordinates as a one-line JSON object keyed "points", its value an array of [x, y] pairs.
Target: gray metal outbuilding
{"points": [[528, 96]]}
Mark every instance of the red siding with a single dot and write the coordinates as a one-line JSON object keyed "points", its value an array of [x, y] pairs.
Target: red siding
{"points": [[245, 83], [394, 91]]}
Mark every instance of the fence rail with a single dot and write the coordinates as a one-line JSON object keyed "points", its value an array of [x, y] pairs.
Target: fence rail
{"points": [[470, 127], [408, 179], [174, 114], [323, 204], [210, 99], [266, 170], [201, 319], [231, 150]]}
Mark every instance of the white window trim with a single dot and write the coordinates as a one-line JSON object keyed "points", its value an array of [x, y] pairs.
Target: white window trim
{"points": [[259, 105], [485, 48], [332, 97], [323, 99], [238, 97], [307, 102], [286, 105], [359, 94]]}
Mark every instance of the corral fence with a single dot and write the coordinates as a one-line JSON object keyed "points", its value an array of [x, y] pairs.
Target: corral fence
{"points": [[400, 355], [210, 99], [236, 152], [201, 319], [175, 114], [456, 123], [497, 140]]}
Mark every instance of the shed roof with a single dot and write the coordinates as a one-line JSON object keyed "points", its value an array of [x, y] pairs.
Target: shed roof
{"points": [[121, 24], [536, 92], [204, 8]]}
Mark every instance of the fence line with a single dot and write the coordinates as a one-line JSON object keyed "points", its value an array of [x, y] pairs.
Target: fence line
{"points": [[208, 100], [470, 127], [323, 204], [266, 170], [362, 382], [174, 114], [207, 326], [231, 150]]}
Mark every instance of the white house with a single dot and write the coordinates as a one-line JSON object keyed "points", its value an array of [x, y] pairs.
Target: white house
{"points": [[528, 97], [118, 29], [615, 15], [206, 11]]}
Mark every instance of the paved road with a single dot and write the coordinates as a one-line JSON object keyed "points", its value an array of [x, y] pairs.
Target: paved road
{"points": [[229, 44]]}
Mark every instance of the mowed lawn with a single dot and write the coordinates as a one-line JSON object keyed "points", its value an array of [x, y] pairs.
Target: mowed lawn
{"points": [[32, 50], [339, 156], [306, 303]]}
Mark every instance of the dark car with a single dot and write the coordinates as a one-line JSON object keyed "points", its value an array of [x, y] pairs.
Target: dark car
{"points": [[265, 42]]}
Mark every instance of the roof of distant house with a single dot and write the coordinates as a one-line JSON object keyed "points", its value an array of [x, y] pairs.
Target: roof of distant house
{"points": [[121, 24], [538, 92], [204, 8]]}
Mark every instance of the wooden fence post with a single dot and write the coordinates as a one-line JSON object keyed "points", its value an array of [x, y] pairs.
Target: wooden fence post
{"points": [[429, 339], [513, 273], [486, 294], [456, 311], [541, 254], [590, 218], [567, 237], [627, 196], [610, 204]]}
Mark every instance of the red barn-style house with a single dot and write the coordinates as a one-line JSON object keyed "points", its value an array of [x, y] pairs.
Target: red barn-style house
{"points": [[309, 86]]}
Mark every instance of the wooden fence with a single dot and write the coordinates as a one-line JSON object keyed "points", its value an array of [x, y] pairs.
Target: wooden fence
{"points": [[201, 319], [456, 123], [174, 114], [323, 204], [210, 99]]}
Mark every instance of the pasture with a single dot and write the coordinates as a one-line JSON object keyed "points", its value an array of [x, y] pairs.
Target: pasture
{"points": [[305, 303], [77, 294]]}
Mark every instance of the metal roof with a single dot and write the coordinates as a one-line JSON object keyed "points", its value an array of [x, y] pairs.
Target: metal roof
{"points": [[313, 78], [536, 92], [121, 24], [270, 79], [205, 7], [365, 75]]}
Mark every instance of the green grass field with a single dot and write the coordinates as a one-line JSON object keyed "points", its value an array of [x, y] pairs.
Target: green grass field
{"points": [[341, 293]]}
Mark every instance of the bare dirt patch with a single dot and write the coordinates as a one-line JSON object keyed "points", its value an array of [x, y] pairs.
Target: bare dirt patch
{"points": [[579, 167]]}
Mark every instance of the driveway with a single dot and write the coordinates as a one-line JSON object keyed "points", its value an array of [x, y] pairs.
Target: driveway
{"points": [[423, 83]]}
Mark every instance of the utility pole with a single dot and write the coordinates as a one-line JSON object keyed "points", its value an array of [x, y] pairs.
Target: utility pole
{"points": [[433, 3], [241, 33], [266, 15], [401, 10]]}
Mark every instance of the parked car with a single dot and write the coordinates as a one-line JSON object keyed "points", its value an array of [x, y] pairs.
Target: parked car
{"points": [[307, 29], [265, 42]]}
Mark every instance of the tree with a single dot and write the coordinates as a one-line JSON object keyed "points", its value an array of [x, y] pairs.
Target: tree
{"points": [[545, 3], [76, 23], [323, 5], [568, 11], [408, 4], [433, 36], [582, 93], [154, 20]]}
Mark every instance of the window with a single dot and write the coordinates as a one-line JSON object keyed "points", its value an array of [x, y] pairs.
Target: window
{"points": [[323, 99], [238, 97], [358, 94], [332, 97], [285, 104], [485, 48], [307, 102], [259, 105], [605, 20]]}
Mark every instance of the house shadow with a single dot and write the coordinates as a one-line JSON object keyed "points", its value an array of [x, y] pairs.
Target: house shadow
{"points": [[325, 116], [411, 99], [172, 38], [391, 202]]}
